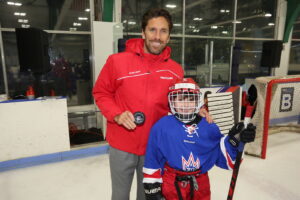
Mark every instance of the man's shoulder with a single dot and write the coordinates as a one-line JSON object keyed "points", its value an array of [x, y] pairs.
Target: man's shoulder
{"points": [[212, 128], [204, 122], [174, 66], [173, 62], [163, 124], [165, 120], [121, 55]]}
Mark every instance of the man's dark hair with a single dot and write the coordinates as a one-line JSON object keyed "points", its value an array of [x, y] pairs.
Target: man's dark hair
{"points": [[157, 12]]}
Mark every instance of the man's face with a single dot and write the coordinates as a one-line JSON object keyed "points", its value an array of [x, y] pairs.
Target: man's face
{"points": [[156, 35]]}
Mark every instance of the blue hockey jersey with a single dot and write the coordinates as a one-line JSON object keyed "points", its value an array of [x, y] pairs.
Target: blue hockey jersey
{"points": [[186, 148]]}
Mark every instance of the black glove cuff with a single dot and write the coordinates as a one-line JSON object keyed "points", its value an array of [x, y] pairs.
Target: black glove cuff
{"points": [[153, 191]]}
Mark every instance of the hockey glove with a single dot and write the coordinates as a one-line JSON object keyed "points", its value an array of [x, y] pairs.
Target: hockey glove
{"points": [[153, 191], [237, 133]]}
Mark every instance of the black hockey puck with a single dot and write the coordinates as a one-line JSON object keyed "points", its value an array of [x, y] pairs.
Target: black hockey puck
{"points": [[139, 118]]}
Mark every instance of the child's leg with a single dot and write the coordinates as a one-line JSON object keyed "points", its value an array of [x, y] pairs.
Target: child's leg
{"points": [[170, 192], [203, 193]]}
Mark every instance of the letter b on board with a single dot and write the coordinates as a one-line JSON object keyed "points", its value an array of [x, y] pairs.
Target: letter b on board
{"points": [[286, 99]]}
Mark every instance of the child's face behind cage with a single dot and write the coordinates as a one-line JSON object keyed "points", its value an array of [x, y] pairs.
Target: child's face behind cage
{"points": [[185, 103]]}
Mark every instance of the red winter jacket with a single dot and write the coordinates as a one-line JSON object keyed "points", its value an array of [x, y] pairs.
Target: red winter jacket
{"points": [[135, 81]]}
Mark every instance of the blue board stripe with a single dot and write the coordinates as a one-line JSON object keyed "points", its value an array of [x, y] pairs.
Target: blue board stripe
{"points": [[282, 120], [51, 158]]}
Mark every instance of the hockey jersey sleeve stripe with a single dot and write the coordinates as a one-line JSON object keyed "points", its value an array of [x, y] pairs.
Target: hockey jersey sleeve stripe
{"points": [[150, 171], [152, 180], [152, 175], [229, 161]]}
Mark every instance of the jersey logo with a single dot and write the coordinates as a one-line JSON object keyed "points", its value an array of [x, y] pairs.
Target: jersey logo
{"points": [[190, 164], [191, 130]]}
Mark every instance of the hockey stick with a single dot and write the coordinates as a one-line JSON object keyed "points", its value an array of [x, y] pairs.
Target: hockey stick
{"points": [[249, 110]]}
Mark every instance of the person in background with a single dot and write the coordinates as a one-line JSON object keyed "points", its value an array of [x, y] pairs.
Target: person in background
{"points": [[183, 147], [205, 99], [135, 83]]}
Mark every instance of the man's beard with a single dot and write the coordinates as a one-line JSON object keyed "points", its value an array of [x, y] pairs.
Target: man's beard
{"points": [[154, 52]]}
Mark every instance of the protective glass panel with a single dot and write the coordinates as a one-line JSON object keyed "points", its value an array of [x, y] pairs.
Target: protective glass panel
{"points": [[2, 87], [71, 67], [296, 29], [212, 18], [294, 65], [47, 15], [70, 73], [197, 60], [133, 10], [176, 49], [294, 62], [249, 62], [256, 18]]}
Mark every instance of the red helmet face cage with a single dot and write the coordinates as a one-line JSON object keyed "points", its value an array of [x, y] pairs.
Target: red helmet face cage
{"points": [[184, 100]]}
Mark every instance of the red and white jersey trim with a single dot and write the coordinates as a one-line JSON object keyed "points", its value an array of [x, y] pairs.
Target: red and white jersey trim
{"points": [[152, 180], [152, 175], [229, 161]]}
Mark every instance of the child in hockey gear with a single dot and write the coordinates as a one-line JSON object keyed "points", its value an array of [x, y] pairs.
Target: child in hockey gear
{"points": [[183, 147]]}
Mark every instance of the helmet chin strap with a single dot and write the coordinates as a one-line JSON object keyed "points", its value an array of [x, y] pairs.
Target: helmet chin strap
{"points": [[196, 119], [185, 118]]}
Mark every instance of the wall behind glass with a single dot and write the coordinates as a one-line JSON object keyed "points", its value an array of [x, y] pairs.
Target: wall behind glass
{"points": [[133, 10], [71, 68], [294, 63], [46, 14], [296, 29], [213, 18], [70, 73], [197, 60], [249, 62], [176, 47], [2, 87], [256, 19]]}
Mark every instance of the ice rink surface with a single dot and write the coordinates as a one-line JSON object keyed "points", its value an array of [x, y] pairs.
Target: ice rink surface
{"points": [[276, 178]]}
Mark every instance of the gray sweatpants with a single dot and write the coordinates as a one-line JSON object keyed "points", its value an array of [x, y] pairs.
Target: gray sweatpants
{"points": [[122, 168]]}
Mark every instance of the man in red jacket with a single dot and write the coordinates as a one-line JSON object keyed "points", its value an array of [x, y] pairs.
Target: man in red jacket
{"points": [[136, 80]]}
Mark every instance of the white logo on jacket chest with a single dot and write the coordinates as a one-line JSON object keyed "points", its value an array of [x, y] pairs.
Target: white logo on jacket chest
{"points": [[135, 72], [166, 78]]}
